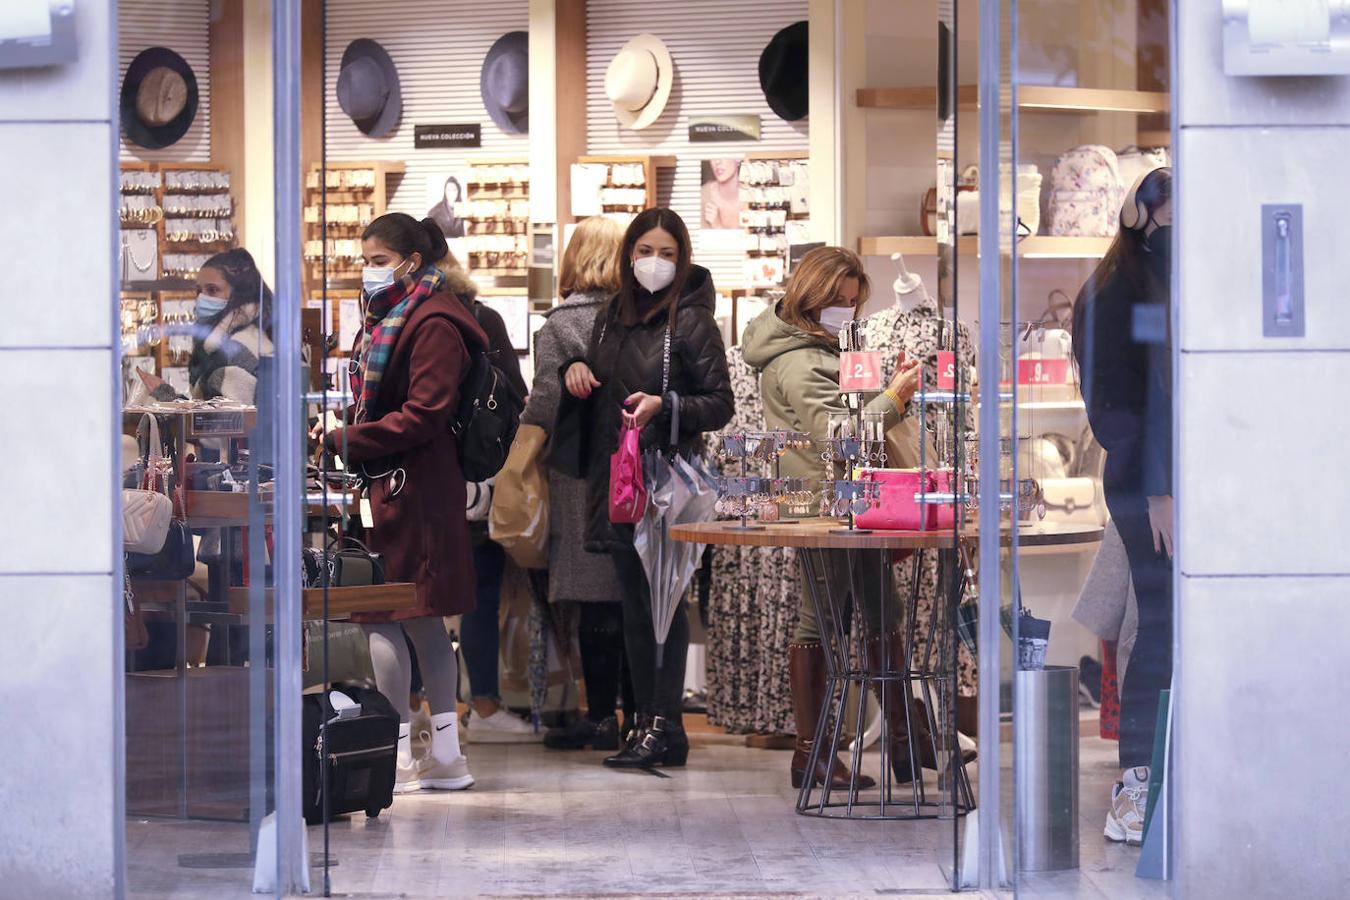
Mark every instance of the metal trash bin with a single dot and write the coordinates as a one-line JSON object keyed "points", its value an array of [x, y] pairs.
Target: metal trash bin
{"points": [[1046, 762]]}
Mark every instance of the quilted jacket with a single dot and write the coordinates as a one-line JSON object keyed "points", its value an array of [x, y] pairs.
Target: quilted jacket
{"points": [[628, 360]]}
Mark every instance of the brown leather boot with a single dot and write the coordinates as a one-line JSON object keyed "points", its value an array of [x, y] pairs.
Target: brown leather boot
{"points": [[806, 674]]}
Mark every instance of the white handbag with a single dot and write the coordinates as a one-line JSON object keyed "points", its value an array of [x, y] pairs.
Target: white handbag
{"points": [[1073, 501], [1134, 162], [146, 514]]}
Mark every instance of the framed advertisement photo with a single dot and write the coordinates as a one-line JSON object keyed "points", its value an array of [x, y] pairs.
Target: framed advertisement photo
{"points": [[515, 312]]}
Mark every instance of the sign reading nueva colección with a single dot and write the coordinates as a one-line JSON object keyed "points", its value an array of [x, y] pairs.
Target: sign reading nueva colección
{"points": [[717, 129], [427, 137]]}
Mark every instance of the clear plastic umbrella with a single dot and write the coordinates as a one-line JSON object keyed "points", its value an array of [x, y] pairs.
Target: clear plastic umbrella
{"points": [[679, 492]]}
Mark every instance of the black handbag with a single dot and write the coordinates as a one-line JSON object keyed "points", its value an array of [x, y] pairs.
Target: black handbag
{"points": [[346, 567], [174, 562]]}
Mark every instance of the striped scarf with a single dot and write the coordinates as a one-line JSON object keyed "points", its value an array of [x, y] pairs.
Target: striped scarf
{"points": [[386, 314]]}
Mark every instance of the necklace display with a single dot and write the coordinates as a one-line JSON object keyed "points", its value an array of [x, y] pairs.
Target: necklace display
{"points": [[131, 253]]}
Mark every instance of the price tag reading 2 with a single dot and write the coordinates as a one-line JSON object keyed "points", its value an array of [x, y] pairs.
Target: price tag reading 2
{"points": [[860, 371], [946, 370]]}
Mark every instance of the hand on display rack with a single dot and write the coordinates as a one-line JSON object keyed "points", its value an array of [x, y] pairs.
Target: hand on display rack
{"points": [[1160, 518], [905, 382], [580, 380], [639, 409]]}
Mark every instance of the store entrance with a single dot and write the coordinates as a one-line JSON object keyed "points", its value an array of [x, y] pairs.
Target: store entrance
{"points": [[861, 628]]}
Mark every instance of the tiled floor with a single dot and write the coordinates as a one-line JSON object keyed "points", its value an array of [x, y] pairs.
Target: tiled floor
{"points": [[542, 823]]}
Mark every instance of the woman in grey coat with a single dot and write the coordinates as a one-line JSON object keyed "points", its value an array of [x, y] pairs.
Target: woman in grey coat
{"points": [[589, 277]]}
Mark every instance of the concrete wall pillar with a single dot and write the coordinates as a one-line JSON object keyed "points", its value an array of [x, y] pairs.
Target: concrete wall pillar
{"points": [[1263, 740], [61, 643]]}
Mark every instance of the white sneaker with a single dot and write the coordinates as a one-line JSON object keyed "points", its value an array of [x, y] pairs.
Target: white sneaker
{"points": [[1129, 802], [500, 728], [434, 775], [406, 779]]}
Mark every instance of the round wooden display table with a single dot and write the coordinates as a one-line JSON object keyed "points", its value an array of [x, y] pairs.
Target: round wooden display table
{"points": [[870, 641]]}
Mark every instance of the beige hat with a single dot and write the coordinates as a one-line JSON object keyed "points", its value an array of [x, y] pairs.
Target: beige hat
{"points": [[638, 81]]}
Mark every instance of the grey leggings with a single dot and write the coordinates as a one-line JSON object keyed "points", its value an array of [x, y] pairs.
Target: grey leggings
{"points": [[393, 665], [862, 579]]}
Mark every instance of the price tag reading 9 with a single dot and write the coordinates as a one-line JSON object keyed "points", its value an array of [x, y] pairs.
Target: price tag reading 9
{"points": [[946, 370], [860, 371], [1042, 371]]}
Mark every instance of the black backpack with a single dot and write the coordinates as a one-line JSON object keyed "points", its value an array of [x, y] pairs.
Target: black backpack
{"points": [[485, 423]]}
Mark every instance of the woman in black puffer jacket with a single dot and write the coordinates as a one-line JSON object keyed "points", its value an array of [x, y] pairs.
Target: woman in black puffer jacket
{"points": [[620, 382]]}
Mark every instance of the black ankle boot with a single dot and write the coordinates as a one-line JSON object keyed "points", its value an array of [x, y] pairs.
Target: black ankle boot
{"points": [[663, 744], [582, 733]]}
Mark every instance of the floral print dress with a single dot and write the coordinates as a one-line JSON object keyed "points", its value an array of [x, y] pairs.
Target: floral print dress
{"points": [[752, 606], [917, 333]]}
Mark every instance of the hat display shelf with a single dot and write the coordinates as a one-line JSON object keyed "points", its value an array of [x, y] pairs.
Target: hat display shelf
{"points": [[498, 222], [760, 496], [622, 189], [773, 206], [857, 439], [341, 199]]}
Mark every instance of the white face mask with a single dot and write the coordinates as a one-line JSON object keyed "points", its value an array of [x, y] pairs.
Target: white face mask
{"points": [[834, 318], [376, 278], [653, 273]]}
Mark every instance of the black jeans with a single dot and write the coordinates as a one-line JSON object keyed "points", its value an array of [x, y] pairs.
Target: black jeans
{"points": [[1150, 667], [657, 690], [600, 635]]}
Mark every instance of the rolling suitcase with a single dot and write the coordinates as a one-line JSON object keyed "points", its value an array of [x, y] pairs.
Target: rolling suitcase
{"points": [[361, 746]]}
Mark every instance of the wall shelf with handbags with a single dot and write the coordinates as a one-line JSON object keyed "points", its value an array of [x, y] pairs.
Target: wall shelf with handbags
{"points": [[188, 544], [341, 199], [497, 222]]}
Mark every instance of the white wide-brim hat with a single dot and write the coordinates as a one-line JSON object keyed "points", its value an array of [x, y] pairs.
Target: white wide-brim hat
{"points": [[638, 81]]}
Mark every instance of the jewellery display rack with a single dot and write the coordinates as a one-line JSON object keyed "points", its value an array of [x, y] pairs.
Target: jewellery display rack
{"points": [[341, 199], [745, 495], [497, 237], [857, 438], [630, 183], [774, 214], [188, 208]]}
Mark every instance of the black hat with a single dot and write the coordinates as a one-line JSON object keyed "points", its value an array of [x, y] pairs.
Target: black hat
{"points": [[782, 73], [159, 98], [368, 89], [504, 82]]}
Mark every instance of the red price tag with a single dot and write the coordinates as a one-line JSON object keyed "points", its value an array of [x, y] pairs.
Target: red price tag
{"points": [[1042, 371], [860, 371], [946, 370]]}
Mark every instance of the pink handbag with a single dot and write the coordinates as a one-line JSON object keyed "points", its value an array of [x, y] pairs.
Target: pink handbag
{"points": [[898, 509], [627, 492]]}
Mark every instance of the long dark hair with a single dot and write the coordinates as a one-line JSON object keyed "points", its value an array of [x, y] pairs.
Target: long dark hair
{"points": [[246, 284], [405, 235], [624, 304], [1128, 258]]}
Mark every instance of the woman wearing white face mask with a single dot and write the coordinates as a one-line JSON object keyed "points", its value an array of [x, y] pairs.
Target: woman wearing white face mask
{"points": [[655, 344], [233, 327], [416, 344], [795, 347]]}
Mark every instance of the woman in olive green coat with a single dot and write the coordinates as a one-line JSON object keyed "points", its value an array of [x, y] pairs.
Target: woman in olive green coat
{"points": [[795, 347]]}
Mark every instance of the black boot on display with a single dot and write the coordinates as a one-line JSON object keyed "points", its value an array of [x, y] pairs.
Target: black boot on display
{"points": [[662, 744], [582, 733]]}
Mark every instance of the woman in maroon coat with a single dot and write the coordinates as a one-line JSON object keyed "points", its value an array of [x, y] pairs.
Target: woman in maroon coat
{"points": [[406, 369]]}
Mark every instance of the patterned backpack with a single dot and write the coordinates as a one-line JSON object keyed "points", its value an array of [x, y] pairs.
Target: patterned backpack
{"points": [[1085, 193]]}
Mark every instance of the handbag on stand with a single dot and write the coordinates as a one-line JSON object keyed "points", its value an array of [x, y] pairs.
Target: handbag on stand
{"points": [[147, 510]]}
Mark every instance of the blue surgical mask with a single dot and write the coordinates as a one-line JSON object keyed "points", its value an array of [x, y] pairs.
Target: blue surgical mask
{"points": [[208, 307], [833, 318], [376, 278]]}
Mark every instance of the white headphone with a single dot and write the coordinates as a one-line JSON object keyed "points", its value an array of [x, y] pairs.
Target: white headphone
{"points": [[1133, 213]]}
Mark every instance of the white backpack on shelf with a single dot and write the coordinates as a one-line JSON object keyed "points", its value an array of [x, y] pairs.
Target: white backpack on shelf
{"points": [[1134, 162], [1085, 193]]}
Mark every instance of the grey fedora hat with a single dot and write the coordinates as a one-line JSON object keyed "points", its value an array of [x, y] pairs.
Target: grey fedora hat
{"points": [[505, 82], [368, 89]]}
